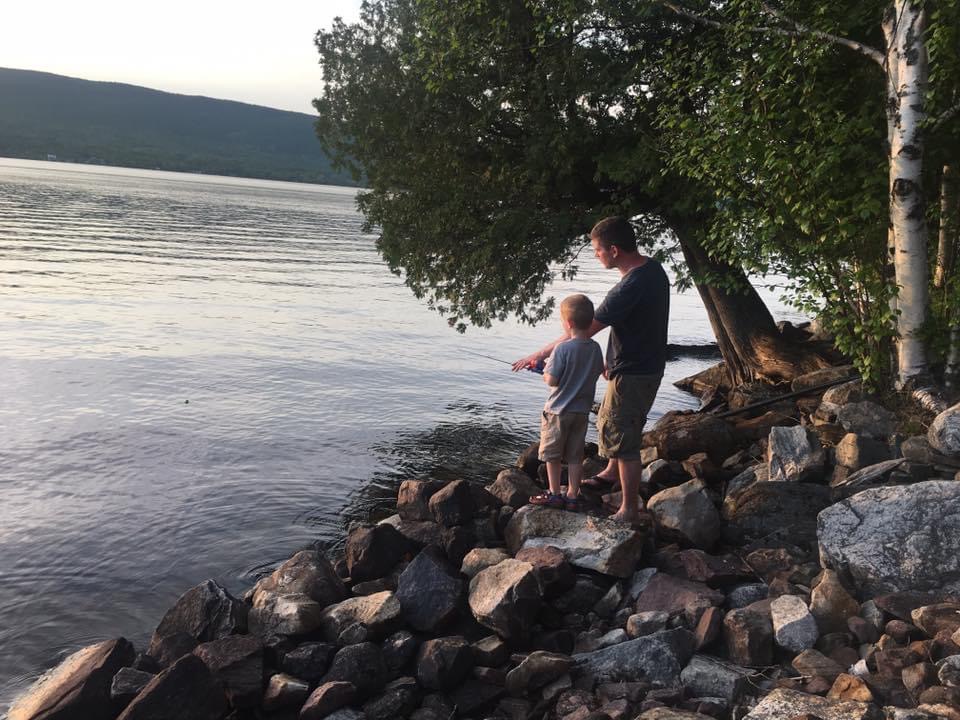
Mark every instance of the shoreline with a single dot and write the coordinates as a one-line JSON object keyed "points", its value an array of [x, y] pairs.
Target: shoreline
{"points": [[731, 598]]}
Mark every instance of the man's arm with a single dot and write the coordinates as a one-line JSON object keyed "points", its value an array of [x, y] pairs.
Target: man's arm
{"points": [[543, 353]]}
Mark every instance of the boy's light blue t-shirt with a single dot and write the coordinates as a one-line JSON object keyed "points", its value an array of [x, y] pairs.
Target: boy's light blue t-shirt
{"points": [[576, 364]]}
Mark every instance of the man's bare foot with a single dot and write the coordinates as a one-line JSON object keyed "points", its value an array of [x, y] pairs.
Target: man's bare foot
{"points": [[599, 481], [625, 517]]}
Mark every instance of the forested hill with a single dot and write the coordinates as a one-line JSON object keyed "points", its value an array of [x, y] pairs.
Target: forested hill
{"points": [[76, 120]]}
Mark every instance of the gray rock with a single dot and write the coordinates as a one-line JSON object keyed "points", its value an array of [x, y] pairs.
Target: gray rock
{"points": [[686, 513], [948, 671], [308, 573], [308, 661], [895, 538], [739, 483], [794, 454], [783, 511], [746, 594], [794, 628], [639, 581], [843, 394], [864, 478], [127, 684], [237, 662], [609, 603], [656, 473], [657, 658], [707, 676], [588, 542], [360, 664], [506, 598], [284, 691], [536, 670], [647, 623], [378, 613], [205, 612], [195, 692], [513, 487], [481, 558], [430, 591], [867, 418], [784, 704], [397, 700], [944, 432], [77, 687], [285, 615]]}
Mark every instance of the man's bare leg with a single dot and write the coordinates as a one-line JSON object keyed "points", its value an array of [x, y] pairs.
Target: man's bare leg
{"points": [[611, 472], [630, 472]]}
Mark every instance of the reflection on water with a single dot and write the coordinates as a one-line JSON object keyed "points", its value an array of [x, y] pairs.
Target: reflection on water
{"points": [[202, 375]]}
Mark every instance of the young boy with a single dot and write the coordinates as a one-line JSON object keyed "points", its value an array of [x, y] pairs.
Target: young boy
{"points": [[572, 371]]}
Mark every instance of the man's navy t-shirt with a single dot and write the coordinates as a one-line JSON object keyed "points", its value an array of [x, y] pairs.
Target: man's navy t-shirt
{"points": [[636, 309]]}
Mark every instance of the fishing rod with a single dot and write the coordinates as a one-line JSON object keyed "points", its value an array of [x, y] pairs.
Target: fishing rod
{"points": [[538, 370]]}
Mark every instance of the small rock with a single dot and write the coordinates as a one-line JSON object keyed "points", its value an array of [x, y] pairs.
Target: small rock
{"points": [[794, 454], [430, 592], [198, 694], [126, 685], [948, 671], [442, 663], [453, 504], [308, 573], [939, 617], [658, 658], [308, 661], [361, 664], [676, 596], [480, 559], [944, 432], [647, 623], [237, 662], [537, 669], [396, 700], [205, 612], [513, 487], [813, 662], [377, 613], [794, 628], [707, 676], [850, 687], [413, 499], [491, 651], [372, 552], [867, 418], [687, 513], [398, 650], [856, 452], [782, 704], [748, 633], [284, 691], [327, 698], [554, 574]]}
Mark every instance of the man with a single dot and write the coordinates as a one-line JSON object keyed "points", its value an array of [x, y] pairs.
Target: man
{"points": [[636, 310]]}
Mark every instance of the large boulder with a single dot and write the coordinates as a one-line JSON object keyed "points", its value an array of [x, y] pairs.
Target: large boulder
{"points": [[453, 504], [372, 552], [686, 513], [888, 539], [378, 613], [203, 613], [677, 436], [309, 573], [658, 658], [79, 687], [187, 690], [783, 704], [776, 511], [794, 454], [506, 598], [588, 542], [944, 432], [430, 591]]}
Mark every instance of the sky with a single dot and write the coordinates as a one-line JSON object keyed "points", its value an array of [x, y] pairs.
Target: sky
{"points": [[258, 52]]}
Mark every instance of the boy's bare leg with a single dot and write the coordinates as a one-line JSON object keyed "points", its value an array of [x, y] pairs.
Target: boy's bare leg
{"points": [[630, 471], [554, 472], [574, 476]]}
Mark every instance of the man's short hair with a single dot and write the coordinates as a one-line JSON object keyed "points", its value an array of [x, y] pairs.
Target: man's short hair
{"points": [[617, 231], [578, 311]]}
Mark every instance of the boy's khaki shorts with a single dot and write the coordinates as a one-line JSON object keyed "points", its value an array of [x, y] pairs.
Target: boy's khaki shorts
{"points": [[562, 437], [623, 414]]}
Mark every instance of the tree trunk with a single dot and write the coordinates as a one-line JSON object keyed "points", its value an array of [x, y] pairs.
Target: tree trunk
{"points": [[751, 345], [949, 216], [904, 28], [951, 374]]}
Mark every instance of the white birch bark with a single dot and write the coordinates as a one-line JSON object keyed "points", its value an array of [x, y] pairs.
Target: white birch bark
{"points": [[949, 205], [907, 67]]}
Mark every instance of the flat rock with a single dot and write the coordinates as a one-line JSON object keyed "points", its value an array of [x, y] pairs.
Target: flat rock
{"points": [[281, 616], [378, 613], [794, 628], [707, 676], [677, 596], [536, 670], [513, 487], [939, 617], [715, 571], [784, 704], [686, 513], [186, 690], [79, 687], [204, 612], [815, 663], [794, 454], [895, 538], [588, 542], [309, 573], [480, 559], [506, 598], [657, 658], [944, 432], [430, 591]]}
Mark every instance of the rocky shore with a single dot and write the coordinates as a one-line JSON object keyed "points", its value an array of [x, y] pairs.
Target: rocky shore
{"points": [[799, 561]]}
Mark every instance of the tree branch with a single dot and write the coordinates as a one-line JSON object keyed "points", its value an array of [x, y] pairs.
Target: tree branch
{"points": [[944, 116], [796, 29]]}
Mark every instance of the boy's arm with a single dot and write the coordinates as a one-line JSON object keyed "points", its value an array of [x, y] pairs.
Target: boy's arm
{"points": [[543, 353], [551, 380]]}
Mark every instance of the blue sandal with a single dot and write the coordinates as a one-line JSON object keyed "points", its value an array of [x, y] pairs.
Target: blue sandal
{"points": [[549, 500]]}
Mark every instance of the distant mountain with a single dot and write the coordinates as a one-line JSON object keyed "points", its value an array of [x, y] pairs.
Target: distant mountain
{"points": [[44, 115]]}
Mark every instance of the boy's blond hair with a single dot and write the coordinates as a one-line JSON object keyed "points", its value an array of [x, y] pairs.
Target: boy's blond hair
{"points": [[578, 311]]}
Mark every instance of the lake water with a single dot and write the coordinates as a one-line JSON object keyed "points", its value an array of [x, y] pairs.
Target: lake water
{"points": [[201, 375]]}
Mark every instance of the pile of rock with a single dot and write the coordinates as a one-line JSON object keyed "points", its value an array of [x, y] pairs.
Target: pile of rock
{"points": [[781, 570]]}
